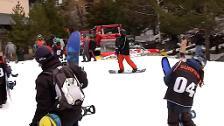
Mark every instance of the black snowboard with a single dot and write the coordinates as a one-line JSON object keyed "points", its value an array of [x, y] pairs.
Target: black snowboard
{"points": [[127, 71]]}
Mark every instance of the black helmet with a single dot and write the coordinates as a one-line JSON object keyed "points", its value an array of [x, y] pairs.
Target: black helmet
{"points": [[43, 55]]}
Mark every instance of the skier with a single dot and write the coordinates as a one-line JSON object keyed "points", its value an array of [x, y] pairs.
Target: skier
{"points": [[182, 82], [122, 51], [46, 94], [5, 71]]}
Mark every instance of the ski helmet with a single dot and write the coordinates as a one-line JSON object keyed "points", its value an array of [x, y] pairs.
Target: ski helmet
{"points": [[50, 120], [43, 54], [39, 36], [201, 60]]}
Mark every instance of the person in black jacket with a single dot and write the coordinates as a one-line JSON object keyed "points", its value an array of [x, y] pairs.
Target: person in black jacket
{"points": [[182, 82], [199, 42], [5, 71], [46, 94], [122, 51]]}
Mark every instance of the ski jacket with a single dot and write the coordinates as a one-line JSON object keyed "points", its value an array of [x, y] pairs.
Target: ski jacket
{"points": [[5, 70], [45, 97], [122, 45], [10, 48], [182, 83]]}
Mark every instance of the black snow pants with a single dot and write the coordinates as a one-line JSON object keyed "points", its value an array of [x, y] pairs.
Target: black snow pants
{"points": [[178, 114]]}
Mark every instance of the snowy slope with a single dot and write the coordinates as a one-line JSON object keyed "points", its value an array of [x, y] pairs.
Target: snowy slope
{"points": [[120, 99]]}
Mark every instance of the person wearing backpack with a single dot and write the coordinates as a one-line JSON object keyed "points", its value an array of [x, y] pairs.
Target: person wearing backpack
{"points": [[46, 97]]}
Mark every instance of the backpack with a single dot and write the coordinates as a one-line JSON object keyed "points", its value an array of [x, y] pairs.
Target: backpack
{"points": [[68, 88]]}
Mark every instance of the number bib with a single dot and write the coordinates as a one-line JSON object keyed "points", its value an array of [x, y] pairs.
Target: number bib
{"points": [[182, 88]]}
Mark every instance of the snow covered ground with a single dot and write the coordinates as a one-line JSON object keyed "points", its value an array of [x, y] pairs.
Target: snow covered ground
{"points": [[120, 99]]}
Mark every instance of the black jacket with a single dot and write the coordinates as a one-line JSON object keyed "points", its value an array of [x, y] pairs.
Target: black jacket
{"points": [[199, 39], [5, 70], [122, 45], [182, 83], [46, 94]]}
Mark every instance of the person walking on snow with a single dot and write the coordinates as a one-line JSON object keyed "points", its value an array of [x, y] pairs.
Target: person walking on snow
{"points": [[122, 51], [5, 71], [86, 55], [10, 52], [46, 93], [92, 47]]}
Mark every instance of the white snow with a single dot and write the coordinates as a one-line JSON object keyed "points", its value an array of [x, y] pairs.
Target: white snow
{"points": [[120, 99]]}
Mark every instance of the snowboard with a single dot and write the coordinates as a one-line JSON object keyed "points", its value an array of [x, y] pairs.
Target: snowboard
{"points": [[127, 71], [87, 110], [193, 115], [73, 47], [166, 65]]}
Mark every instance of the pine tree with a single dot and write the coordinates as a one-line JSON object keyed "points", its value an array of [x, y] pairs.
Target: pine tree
{"points": [[19, 33]]}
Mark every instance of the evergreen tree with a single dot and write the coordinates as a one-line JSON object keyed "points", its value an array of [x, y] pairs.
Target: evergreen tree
{"points": [[45, 19], [134, 15], [178, 16], [56, 20], [74, 14], [19, 33], [38, 21]]}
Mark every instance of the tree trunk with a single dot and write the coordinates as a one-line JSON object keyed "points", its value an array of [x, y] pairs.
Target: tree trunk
{"points": [[207, 44]]}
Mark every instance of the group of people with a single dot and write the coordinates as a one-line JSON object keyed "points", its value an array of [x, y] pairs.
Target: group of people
{"points": [[57, 45], [89, 46], [182, 81], [46, 93], [47, 55]]}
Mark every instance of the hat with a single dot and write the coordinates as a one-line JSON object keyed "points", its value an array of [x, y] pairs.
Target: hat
{"points": [[39, 36], [123, 32], [50, 120], [43, 55], [200, 59]]}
